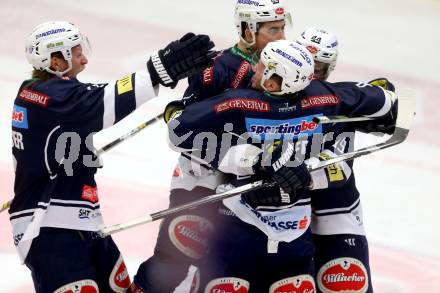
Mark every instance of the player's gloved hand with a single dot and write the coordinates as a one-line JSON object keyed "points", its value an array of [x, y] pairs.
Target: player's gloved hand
{"points": [[171, 109], [268, 198], [387, 123], [276, 163], [180, 59], [383, 83]]}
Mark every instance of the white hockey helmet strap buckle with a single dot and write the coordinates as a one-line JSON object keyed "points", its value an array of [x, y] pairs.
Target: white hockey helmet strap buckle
{"points": [[250, 13], [289, 60], [322, 44], [51, 37]]}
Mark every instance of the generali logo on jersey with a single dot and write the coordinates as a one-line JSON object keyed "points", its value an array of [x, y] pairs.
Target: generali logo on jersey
{"points": [[208, 75], [243, 104], [244, 68], [317, 101], [344, 274], [34, 97]]}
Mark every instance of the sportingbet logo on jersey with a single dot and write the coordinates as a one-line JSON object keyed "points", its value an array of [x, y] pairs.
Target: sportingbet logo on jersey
{"points": [[19, 117], [277, 129], [344, 274]]}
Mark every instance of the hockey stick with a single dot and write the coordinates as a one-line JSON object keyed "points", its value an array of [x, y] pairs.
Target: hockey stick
{"points": [[406, 112], [107, 147], [133, 132], [191, 205], [405, 116], [339, 118]]}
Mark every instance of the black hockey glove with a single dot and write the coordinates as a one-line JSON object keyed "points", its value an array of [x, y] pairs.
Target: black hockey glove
{"points": [[387, 123], [276, 164], [180, 59], [268, 198]]}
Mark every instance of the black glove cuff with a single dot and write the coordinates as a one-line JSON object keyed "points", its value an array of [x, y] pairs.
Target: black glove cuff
{"points": [[158, 72]]}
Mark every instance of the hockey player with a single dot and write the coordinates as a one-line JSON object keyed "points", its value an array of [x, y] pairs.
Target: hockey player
{"points": [[337, 223], [217, 131], [176, 250], [55, 211]]}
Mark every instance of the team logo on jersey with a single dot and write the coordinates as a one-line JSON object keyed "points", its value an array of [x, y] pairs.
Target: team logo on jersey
{"points": [[246, 104], [244, 68], [190, 233], [19, 117], [301, 283], [34, 97], [277, 129], [82, 286], [119, 278], [344, 274], [90, 193], [208, 75], [229, 285], [318, 101]]}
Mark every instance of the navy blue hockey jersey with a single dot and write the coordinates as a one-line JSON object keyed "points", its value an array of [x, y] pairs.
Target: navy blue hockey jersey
{"points": [[53, 123], [231, 69], [214, 127]]}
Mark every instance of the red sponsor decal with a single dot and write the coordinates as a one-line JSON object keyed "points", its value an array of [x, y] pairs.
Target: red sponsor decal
{"points": [[17, 116], [34, 97], [303, 223], [244, 68], [176, 172], [343, 275], [317, 101], [119, 278], [90, 193], [229, 285], [83, 286], [242, 104], [301, 283], [190, 233], [208, 75], [312, 49], [279, 11]]}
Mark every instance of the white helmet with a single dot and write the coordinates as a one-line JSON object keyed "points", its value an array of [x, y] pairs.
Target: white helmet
{"points": [[253, 12], [291, 61], [322, 44], [50, 37]]}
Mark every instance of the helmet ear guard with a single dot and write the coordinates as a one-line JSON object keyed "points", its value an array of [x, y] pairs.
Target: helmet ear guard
{"points": [[322, 44], [289, 60], [51, 37], [249, 13]]}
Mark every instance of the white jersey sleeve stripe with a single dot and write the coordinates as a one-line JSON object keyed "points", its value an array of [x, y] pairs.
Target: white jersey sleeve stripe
{"points": [[144, 88], [109, 105]]}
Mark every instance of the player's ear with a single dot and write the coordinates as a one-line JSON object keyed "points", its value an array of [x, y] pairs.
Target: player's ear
{"points": [[273, 84], [248, 35], [57, 63]]}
